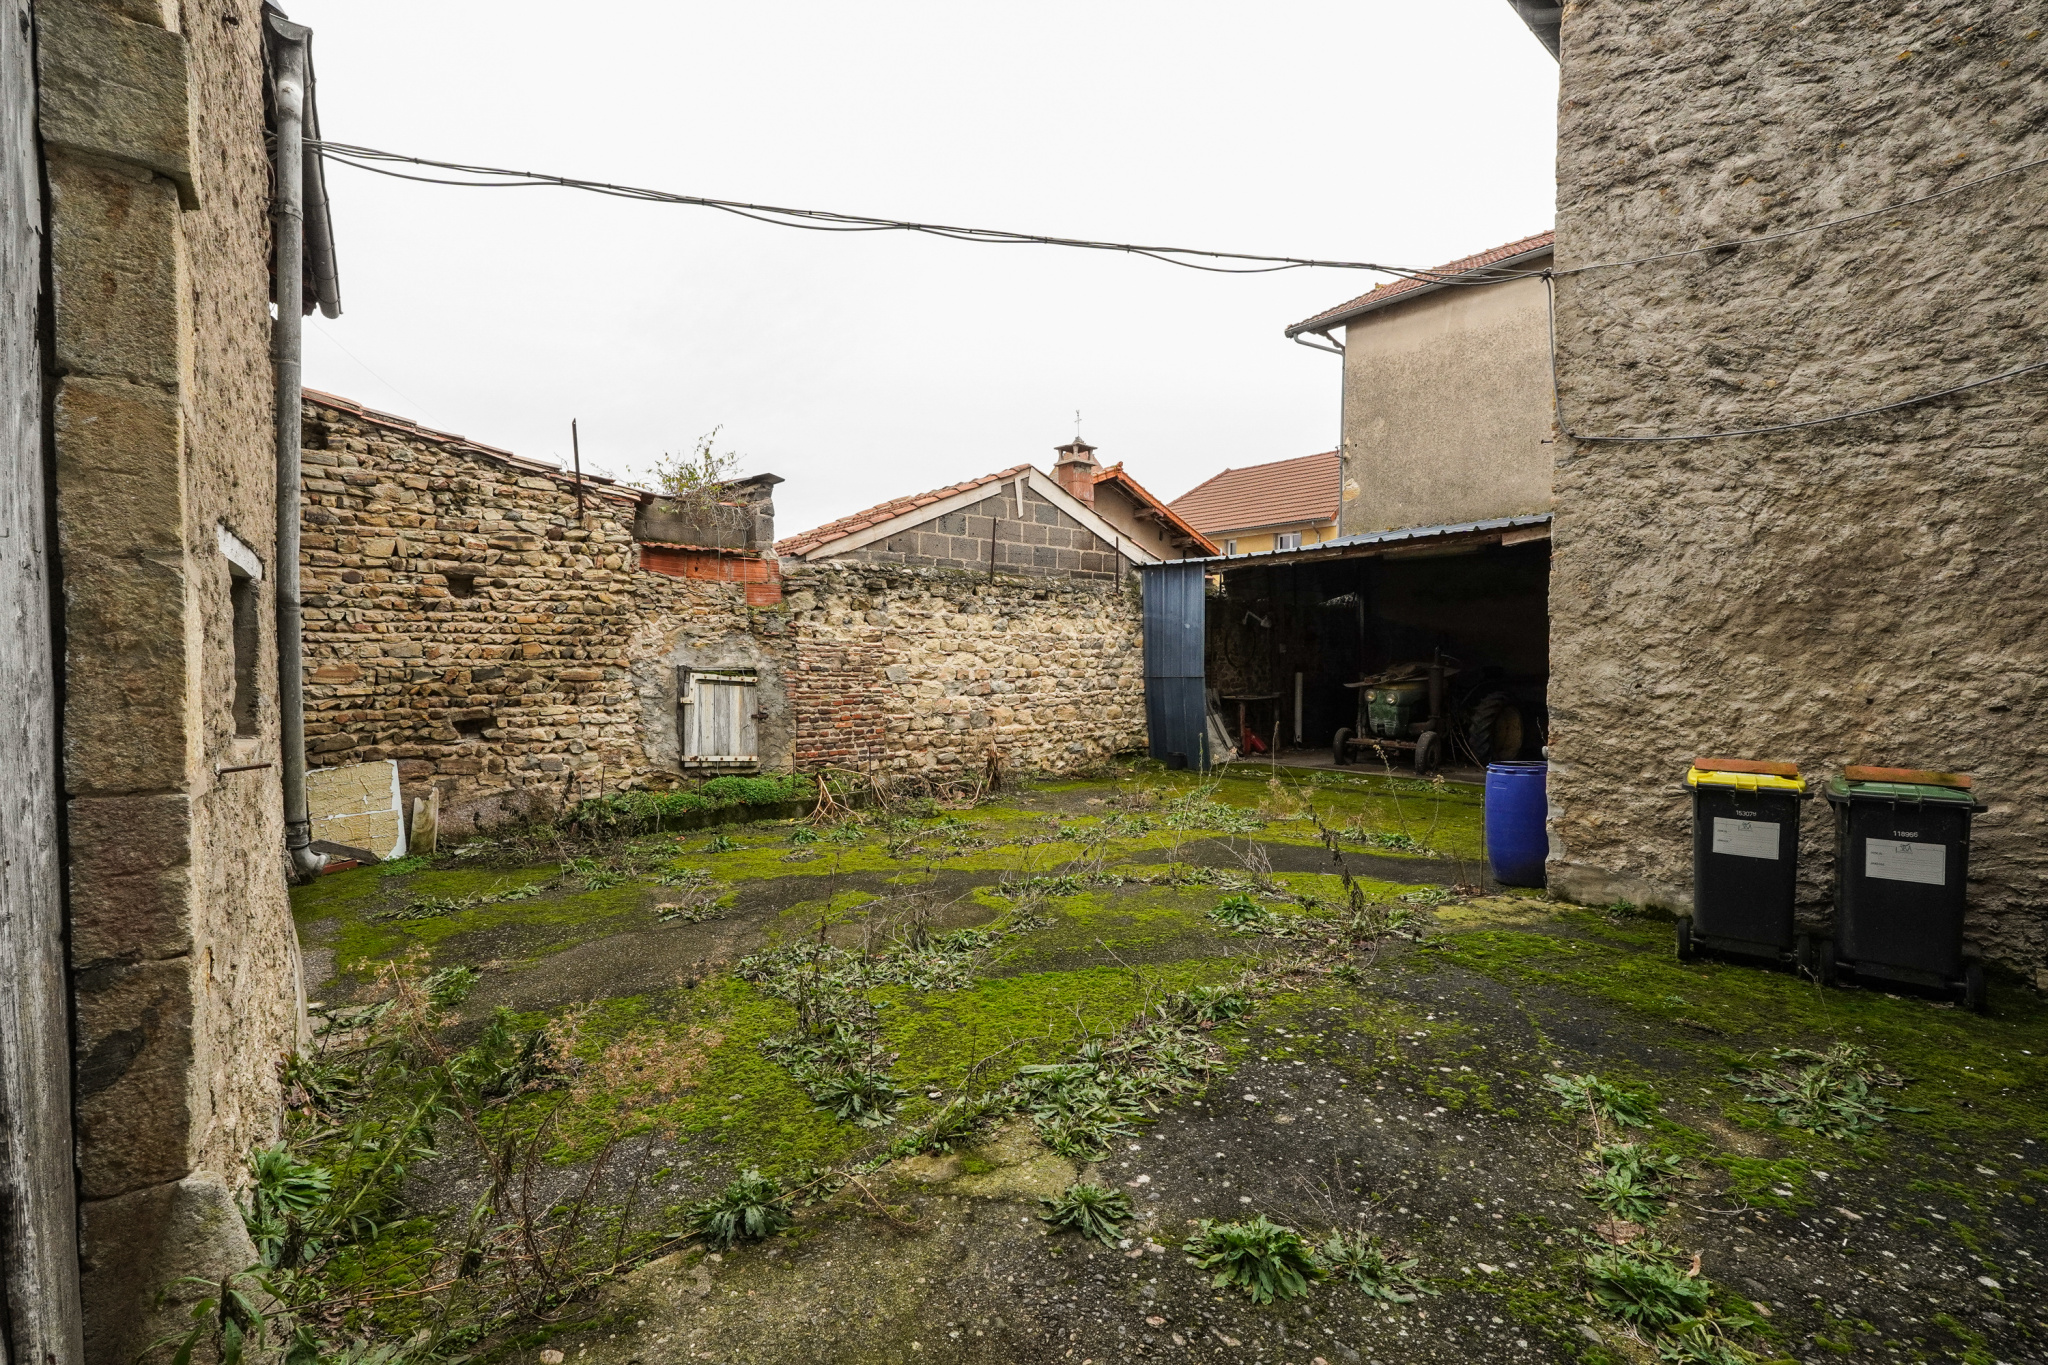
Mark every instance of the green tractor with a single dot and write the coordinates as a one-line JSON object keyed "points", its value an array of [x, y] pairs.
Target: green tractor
{"points": [[1437, 712]]}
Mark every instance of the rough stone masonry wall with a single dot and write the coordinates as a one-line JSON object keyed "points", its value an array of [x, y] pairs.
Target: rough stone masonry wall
{"points": [[181, 943], [461, 619], [1868, 591], [911, 671]]}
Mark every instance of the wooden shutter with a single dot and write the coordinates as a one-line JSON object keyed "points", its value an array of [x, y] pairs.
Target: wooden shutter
{"points": [[718, 723]]}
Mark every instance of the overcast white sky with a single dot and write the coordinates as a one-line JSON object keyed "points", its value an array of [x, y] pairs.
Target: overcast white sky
{"points": [[868, 366]]}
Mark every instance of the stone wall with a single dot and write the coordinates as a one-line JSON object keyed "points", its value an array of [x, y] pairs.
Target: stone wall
{"points": [[462, 619], [183, 957], [921, 671], [1872, 590]]}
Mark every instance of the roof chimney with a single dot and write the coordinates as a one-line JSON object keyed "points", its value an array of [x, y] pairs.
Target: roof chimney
{"points": [[1076, 469]]}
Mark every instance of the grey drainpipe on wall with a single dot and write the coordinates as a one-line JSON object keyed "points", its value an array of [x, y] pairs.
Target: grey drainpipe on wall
{"points": [[290, 68]]}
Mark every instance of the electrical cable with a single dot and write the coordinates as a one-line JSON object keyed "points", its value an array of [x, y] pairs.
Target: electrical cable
{"points": [[826, 220]]}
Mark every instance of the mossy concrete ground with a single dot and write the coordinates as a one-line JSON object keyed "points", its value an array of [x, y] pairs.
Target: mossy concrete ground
{"points": [[1408, 1101]]}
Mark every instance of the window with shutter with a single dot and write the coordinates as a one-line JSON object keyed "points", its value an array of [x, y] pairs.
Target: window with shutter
{"points": [[719, 720]]}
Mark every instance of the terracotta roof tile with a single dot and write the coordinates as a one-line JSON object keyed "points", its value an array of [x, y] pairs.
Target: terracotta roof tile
{"points": [[804, 542], [1283, 493], [1115, 474], [1386, 293]]}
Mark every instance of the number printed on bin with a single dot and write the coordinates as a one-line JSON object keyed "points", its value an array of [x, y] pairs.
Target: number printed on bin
{"points": [[1746, 838], [1895, 860]]}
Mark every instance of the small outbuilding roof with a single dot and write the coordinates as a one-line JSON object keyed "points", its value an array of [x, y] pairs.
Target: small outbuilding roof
{"points": [[1283, 493], [1465, 271], [804, 542], [1115, 476]]}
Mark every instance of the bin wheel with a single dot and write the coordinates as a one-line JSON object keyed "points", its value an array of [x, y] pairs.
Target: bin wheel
{"points": [[1426, 752], [1340, 748], [1827, 969], [1684, 931], [1973, 987]]}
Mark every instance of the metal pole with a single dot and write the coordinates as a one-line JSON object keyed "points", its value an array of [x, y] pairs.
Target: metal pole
{"points": [[288, 43], [576, 451]]}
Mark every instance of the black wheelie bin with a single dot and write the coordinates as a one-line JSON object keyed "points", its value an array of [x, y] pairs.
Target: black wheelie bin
{"points": [[1745, 860], [1902, 867]]}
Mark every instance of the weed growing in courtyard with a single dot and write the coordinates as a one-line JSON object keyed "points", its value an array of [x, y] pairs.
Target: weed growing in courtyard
{"points": [[1206, 1006], [1604, 1100], [1241, 913], [449, 986], [433, 907], [1089, 1210], [1080, 1107], [1647, 1286], [1832, 1093], [721, 843], [1632, 1182], [1259, 1257], [751, 1208], [1361, 1261]]}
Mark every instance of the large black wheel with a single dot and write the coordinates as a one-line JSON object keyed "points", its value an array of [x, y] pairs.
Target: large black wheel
{"points": [[1494, 730], [1973, 987], [1428, 752], [1340, 748], [1684, 932]]}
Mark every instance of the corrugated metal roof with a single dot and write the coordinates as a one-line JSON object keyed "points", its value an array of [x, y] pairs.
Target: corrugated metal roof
{"points": [[1330, 548]]}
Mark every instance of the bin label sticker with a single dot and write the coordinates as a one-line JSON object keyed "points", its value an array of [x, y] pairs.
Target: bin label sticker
{"points": [[1895, 860], [1746, 838]]}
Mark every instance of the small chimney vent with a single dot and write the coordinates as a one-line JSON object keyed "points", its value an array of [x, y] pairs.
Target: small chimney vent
{"points": [[1076, 470]]}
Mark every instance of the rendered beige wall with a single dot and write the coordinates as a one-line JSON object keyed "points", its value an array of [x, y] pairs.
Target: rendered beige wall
{"points": [[182, 952], [1867, 591], [1447, 409]]}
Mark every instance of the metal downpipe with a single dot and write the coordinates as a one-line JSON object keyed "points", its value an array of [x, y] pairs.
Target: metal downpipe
{"points": [[288, 44]]}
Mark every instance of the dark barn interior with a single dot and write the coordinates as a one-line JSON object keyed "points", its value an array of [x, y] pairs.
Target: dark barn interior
{"points": [[1285, 636]]}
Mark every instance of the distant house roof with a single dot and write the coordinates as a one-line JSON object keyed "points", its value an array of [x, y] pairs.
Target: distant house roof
{"points": [[804, 542], [876, 523], [1477, 268], [1115, 476], [1283, 493]]}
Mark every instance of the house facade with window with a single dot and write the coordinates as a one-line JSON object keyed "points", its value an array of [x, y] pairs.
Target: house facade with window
{"points": [[1284, 505]]}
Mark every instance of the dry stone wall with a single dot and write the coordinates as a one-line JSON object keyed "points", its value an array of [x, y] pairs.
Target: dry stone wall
{"points": [[1866, 591], [921, 672], [462, 620]]}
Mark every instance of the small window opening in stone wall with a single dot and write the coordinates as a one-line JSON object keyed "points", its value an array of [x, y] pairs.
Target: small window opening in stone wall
{"points": [[718, 717], [244, 607], [461, 584], [472, 731]]}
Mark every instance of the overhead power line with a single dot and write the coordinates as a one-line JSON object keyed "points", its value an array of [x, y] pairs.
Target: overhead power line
{"points": [[826, 220]]}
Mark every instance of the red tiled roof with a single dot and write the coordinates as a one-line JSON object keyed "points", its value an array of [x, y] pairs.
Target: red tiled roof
{"points": [[1284, 493], [806, 541], [1115, 474], [1382, 294]]}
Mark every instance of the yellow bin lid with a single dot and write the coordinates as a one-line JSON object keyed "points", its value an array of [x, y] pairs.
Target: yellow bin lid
{"points": [[1745, 774]]}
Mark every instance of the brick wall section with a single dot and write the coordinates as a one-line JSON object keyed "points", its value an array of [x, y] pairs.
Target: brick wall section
{"points": [[836, 692], [1048, 672], [1870, 591], [1044, 541]]}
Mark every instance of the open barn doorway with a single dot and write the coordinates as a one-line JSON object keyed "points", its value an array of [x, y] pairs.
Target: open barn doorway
{"points": [[1422, 650]]}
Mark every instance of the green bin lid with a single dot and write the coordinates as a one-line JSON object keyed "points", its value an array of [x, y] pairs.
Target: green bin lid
{"points": [[1900, 784]]}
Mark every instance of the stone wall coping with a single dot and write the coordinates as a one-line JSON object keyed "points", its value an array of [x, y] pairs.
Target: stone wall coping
{"points": [[594, 485]]}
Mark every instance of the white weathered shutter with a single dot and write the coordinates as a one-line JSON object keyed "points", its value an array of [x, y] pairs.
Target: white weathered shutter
{"points": [[718, 724]]}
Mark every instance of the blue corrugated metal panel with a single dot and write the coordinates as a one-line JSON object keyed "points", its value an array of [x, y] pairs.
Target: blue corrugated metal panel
{"points": [[1176, 711]]}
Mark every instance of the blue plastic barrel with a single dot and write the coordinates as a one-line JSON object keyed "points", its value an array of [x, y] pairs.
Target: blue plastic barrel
{"points": [[1516, 803]]}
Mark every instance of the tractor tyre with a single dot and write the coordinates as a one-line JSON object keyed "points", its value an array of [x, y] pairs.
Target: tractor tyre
{"points": [[1494, 731], [1340, 748], [1428, 753]]}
